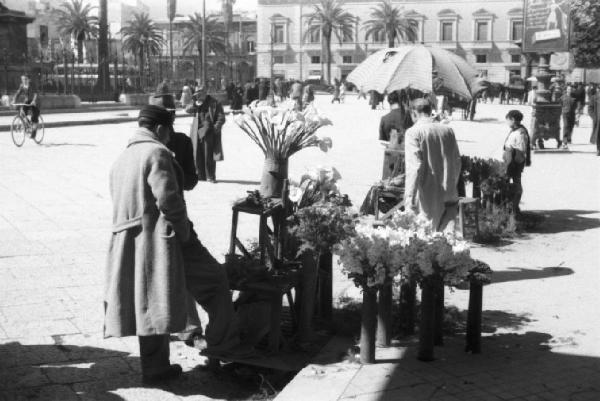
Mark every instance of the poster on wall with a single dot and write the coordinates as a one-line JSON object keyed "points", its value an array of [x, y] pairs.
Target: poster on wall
{"points": [[546, 26]]}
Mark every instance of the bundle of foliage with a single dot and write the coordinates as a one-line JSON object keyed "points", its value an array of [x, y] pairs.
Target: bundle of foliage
{"points": [[585, 37]]}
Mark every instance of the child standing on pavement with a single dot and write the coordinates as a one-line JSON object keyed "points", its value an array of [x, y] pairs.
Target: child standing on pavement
{"points": [[517, 154]]}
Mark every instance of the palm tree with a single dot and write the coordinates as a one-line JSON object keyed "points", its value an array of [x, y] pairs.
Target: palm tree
{"points": [[142, 38], [390, 21], [74, 20], [215, 36], [103, 82], [330, 18]]}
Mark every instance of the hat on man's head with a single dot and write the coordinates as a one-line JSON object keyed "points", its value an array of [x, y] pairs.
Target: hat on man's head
{"points": [[158, 114], [162, 97]]}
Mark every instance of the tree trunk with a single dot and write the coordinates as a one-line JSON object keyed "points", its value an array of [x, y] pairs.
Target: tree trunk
{"points": [[66, 70], [79, 51], [328, 54], [141, 69], [391, 40], [103, 82]]}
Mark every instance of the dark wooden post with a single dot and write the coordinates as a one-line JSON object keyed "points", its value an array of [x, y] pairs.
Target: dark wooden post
{"points": [[368, 326], [384, 315], [474, 318], [325, 285], [426, 326]]}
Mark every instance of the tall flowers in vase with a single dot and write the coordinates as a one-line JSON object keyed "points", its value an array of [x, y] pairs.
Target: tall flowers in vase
{"points": [[280, 133]]}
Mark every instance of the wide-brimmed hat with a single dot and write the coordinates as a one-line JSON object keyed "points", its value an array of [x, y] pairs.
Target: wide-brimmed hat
{"points": [[162, 97], [158, 114]]}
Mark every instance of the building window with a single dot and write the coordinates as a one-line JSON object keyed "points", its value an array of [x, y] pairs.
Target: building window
{"points": [[481, 58], [347, 59], [447, 31], [481, 31], [314, 36], [516, 30], [315, 59], [278, 59], [378, 37], [348, 37], [278, 33], [251, 46], [515, 58]]}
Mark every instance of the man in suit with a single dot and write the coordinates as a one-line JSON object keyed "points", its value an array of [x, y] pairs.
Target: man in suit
{"points": [[397, 119], [433, 167], [209, 118], [28, 95]]}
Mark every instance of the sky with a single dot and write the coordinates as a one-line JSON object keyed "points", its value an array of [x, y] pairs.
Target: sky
{"points": [[186, 7]]}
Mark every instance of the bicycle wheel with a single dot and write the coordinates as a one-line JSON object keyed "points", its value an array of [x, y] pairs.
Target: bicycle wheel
{"points": [[39, 135], [17, 131]]}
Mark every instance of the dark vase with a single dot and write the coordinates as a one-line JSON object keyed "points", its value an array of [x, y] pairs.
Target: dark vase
{"points": [[427, 323], [474, 318], [384, 315], [408, 295], [326, 285], [308, 281], [274, 172], [368, 326]]}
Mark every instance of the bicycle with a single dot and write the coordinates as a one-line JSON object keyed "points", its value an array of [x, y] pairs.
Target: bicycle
{"points": [[22, 126]]}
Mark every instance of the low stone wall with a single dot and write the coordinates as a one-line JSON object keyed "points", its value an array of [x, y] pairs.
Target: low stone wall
{"points": [[49, 102], [134, 99], [59, 101]]}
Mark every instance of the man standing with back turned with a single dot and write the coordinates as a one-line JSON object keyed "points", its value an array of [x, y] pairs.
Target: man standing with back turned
{"points": [[432, 167], [145, 278]]}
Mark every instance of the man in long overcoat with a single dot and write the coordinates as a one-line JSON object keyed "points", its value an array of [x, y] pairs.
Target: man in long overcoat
{"points": [[205, 133], [145, 277], [432, 167]]}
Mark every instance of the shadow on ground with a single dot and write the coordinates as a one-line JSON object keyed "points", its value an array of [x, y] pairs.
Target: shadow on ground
{"points": [[68, 372], [519, 273], [559, 221], [511, 366]]}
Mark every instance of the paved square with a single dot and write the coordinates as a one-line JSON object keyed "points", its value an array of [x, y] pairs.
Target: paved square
{"points": [[54, 228]]}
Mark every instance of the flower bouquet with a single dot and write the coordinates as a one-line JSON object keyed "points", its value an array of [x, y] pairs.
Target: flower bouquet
{"points": [[405, 248], [322, 219], [280, 133]]}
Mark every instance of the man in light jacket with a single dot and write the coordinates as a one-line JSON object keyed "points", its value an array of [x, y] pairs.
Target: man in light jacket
{"points": [[432, 167], [145, 279]]}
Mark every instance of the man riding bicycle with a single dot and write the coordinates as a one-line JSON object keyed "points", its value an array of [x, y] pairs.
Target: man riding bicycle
{"points": [[27, 94]]}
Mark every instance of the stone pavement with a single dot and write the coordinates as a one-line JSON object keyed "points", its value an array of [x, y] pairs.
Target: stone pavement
{"points": [[54, 225]]}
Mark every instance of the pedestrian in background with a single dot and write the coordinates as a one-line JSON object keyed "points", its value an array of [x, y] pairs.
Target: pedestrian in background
{"points": [[569, 108], [594, 112], [517, 154], [397, 119], [308, 96], [296, 95], [205, 133]]}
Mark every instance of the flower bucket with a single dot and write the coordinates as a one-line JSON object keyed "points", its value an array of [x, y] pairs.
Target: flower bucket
{"points": [[274, 173], [427, 324], [368, 326]]}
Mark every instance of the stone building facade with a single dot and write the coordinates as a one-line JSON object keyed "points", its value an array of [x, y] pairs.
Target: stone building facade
{"points": [[485, 33]]}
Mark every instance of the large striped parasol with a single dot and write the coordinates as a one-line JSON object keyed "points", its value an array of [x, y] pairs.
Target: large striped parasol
{"points": [[412, 66]]}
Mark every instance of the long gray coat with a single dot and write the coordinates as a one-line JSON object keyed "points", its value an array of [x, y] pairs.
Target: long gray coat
{"points": [[145, 282]]}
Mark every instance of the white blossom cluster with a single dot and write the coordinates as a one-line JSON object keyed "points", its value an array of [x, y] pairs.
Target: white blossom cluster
{"points": [[404, 247]]}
